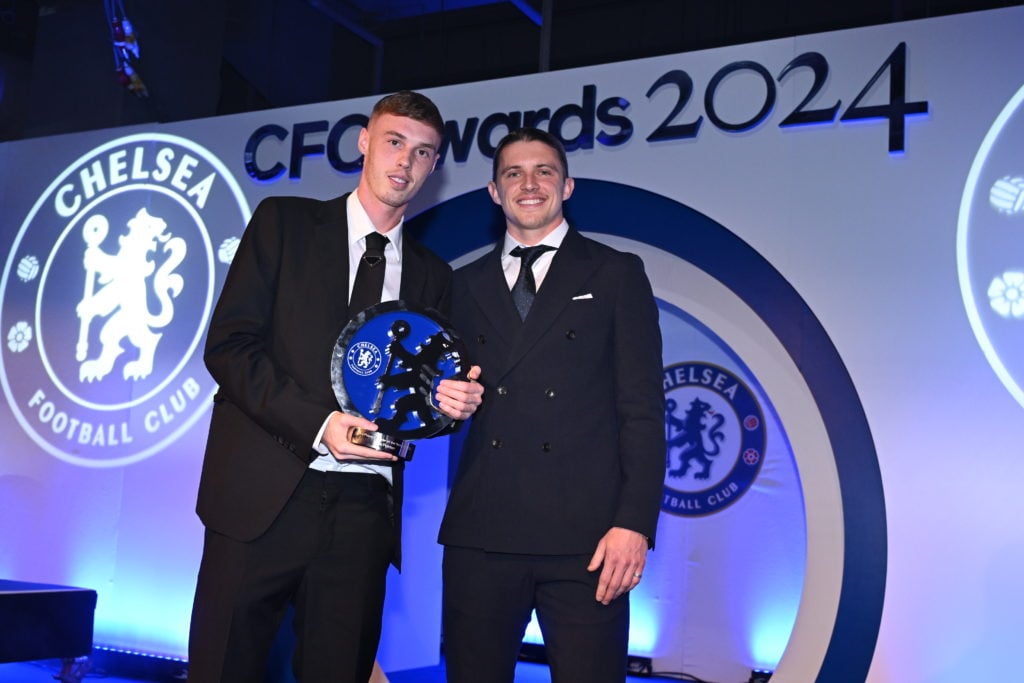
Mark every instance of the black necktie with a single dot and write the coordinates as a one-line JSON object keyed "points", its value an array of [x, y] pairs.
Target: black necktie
{"points": [[525, 287], [369, 276]]}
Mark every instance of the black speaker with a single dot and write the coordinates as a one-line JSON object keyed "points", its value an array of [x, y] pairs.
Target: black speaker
{"points": [[41, 621]]}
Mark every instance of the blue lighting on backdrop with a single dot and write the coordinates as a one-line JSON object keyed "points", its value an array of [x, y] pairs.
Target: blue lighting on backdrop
{"points": [[769, 635]]}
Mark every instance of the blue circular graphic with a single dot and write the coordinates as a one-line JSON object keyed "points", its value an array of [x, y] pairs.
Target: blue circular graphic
{"points": [[715, 438], [471, 221]]}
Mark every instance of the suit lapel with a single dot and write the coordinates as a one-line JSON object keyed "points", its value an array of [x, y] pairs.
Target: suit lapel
{"points": [[330, 244], [414, 275], [491, 293], [570, 268]]}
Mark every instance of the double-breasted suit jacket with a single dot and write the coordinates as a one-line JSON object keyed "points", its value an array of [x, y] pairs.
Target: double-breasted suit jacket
{"points": [[269, 348], [570, 440]]}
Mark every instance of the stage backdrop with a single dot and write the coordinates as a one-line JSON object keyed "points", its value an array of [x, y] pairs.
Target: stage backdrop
{"points": [[833, 227]]}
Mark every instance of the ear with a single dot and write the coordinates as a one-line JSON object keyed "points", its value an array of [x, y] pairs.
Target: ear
{"points": [[493, 190], [364, 141], [567, 187]]}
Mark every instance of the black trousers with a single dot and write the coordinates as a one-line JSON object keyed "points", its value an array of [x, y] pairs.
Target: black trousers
{"points": [[488, 598], [327, 555]]}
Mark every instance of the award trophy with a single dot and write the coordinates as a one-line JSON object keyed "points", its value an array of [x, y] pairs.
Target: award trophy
{"points": [[386, 366]]}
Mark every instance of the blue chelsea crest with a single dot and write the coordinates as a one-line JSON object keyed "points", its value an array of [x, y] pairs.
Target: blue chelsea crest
{"points": [[363, 358], [715, 439]]}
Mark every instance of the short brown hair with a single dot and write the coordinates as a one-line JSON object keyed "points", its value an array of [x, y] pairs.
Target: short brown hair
{"points": [[529, 135], [410, 105]]}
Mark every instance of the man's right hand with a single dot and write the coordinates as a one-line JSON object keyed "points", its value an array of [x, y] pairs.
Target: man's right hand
{"points": [[337, 437]]}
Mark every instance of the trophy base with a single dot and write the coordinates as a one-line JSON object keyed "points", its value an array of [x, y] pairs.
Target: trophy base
{"points": [[399, 448]]}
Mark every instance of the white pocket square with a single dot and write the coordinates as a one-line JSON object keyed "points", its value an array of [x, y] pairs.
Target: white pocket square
{"points": [[580, 297]]}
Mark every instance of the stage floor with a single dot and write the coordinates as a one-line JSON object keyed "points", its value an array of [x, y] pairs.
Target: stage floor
{"points": [[43, 672]]}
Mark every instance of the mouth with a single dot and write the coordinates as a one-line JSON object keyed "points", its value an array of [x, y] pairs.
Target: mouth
{"points": [[400, 181], [530, 201]]}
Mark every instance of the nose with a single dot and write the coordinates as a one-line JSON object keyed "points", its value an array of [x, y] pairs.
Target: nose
{"points": [[405, 158], [529, 181]]}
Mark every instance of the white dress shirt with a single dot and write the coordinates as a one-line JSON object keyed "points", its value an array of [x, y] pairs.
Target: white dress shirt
{"points": [[359, 226]]}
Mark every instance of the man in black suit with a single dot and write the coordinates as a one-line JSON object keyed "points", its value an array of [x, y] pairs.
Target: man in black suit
{"points": [[556, 498], [295, 513]]}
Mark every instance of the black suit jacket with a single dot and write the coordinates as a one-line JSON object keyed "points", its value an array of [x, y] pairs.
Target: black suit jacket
{"points": [[570, 439], [269, 348]]}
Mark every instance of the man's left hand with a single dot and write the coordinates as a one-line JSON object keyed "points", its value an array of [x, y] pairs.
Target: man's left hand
{"points": [[621, 555], [459, 399]]}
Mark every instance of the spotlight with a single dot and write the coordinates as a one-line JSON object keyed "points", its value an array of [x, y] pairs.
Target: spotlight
{"points": [[760, 676]]}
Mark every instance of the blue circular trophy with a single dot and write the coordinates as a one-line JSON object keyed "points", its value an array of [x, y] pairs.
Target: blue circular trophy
{"points": [[386, 366]]}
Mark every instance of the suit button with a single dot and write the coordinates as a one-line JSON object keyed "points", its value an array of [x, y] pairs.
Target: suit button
{"points": [[496, 443], [502, 390], [570, 334], [549, 393], [546, 447], [481, 339]]}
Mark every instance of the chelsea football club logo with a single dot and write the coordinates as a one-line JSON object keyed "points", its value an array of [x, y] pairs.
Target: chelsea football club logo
{"points": [[106, 295], [364, 358], [990, 258], [715, 438]]}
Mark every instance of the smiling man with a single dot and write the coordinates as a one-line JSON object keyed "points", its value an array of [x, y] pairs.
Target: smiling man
{"points": [[295, 513], [556, 498]]}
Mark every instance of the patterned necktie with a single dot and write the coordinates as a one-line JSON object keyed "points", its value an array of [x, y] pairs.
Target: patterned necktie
{"points": [[525, 287], [369, 276]]}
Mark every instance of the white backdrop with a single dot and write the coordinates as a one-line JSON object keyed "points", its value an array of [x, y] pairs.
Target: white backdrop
{"points": [[901, 236]]}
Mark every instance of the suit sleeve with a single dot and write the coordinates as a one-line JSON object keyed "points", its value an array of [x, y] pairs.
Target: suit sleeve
{"points": [[640, 401], [240, 345]]}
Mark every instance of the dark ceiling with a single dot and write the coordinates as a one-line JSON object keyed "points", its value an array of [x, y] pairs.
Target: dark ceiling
{"points": [[208, 57]]}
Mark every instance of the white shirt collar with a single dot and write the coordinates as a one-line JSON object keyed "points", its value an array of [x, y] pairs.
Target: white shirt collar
{"points": [[360, 225], [552, 239]]}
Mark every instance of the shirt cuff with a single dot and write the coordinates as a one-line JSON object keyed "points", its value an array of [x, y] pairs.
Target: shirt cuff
{"points": [[318, 445]]}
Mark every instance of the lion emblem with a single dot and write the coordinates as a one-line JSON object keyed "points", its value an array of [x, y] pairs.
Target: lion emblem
{"points": [[689, 438], [122, 297]]}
